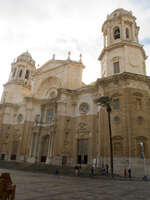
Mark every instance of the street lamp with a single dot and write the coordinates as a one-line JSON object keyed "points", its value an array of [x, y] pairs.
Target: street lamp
{"points": [[143, 157], [105, 101]]}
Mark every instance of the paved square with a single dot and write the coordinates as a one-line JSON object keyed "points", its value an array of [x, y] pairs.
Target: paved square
{"points": [[38, 186]]}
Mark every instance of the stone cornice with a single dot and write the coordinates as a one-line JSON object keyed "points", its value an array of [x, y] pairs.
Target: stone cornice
{"points": [[67, 91], [121, 44], [17, 83], [41, 101], [86, 89], [124, 76], [15, 106], [78, 91]]}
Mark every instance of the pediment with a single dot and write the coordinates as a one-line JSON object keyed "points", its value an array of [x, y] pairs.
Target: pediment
{"points": [[50, 65]]}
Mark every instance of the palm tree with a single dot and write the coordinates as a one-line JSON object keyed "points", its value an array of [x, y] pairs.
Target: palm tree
{"points": [[105, 101]]}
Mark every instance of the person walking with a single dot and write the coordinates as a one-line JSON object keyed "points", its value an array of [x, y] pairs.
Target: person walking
{"points": [[107, 167], [129, 172], [76, 170], [92, 171]]}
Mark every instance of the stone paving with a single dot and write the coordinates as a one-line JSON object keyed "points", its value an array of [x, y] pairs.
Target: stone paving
{"points": [[39, 186]]}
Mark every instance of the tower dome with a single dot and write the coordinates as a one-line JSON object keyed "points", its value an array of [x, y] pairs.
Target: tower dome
{"points": [[22, 69], [120, 12], [20, 78], [26, 57]]}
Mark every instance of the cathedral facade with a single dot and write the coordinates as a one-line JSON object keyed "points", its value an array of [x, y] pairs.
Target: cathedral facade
{"points": [[49, 115]]}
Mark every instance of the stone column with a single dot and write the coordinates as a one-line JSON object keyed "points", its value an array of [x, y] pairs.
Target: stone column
{"points": [[125, 66], [104, 41], [43, 113], [99, 139], [39, 148], [54, 139], [16, 74], [122, 30], [35, 146], [49, 148], [30, 152], [90, 149], [133, 32], [108, 36]]}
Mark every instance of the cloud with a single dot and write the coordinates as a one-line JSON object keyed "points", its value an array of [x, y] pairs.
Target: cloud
{"points": [[145, 41], [47, 27], [143, 3]]}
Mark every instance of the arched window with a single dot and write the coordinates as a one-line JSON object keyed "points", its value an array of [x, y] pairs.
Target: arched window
{"points": [[117, 148], [20, 73], [116, 104], [127, 33], [116, 33], [117, 142], [116, 67], [50, 116], [14, 72], [27, 74], [138, 103]]}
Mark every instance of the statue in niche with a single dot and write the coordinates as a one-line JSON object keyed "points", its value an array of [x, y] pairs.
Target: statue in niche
{"points": [[66, 143], [82, 127], [83, 131], [84, 108]]}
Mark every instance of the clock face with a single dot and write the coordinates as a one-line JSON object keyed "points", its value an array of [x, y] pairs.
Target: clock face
{"points": [[133, 59], [84, 108]]}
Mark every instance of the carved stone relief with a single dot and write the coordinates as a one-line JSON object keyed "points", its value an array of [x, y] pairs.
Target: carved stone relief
{"points": [[83, 130]]}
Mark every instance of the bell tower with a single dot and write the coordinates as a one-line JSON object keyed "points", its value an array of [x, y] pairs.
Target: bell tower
{"points": [[19, 82], [122, 51]]}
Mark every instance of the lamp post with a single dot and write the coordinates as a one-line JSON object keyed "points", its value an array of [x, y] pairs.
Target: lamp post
{"points": [[105, 102], [143, 157]]}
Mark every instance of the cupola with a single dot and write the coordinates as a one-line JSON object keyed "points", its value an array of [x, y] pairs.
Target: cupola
{"points": [[122, 51]]}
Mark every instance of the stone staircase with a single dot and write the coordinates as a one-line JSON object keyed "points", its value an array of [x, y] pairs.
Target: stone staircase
{"points": [[46, 168]]}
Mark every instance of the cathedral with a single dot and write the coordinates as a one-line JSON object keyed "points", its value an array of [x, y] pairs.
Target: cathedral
{"points": [[48, 115]]}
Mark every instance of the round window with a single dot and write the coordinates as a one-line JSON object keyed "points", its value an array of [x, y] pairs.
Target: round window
{"points": [[84, 108], [53, 93]]}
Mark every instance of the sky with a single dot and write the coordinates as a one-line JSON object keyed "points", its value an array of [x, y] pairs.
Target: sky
{"points": [[50, 27]]}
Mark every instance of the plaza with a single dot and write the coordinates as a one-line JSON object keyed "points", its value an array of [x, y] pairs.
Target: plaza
{"points": [[41, 186]]}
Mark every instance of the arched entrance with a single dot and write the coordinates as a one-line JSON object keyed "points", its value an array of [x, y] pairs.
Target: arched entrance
{"points": [[82, 151], [44, 148]]}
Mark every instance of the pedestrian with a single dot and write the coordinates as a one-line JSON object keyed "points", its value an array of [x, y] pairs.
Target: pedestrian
{"points": [[125, 172], [107, 167], [129, 172], [92, 171], [76, 170], [56, 172]]}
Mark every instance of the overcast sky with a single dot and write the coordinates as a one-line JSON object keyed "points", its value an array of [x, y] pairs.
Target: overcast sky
{"points": [[45, 27]]}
